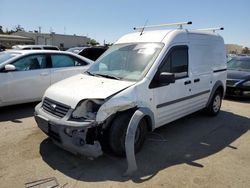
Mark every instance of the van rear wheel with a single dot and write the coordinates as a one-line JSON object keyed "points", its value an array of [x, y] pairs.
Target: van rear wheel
{"points": [[214, 106], [118, 132]]}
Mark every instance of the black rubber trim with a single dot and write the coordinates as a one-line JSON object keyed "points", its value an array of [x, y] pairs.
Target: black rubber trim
{"points": [[182, 99], [220, 70], [196, 80], [187, 82]]}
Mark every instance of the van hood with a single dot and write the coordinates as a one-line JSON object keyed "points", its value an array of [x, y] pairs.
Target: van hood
{"points": [[74, 89]]}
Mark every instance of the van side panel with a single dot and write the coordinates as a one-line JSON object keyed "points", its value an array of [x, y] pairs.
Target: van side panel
{"points": [[206, 66], [200, 67], [206, 55]]}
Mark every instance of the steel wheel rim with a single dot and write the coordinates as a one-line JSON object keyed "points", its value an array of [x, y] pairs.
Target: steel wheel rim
{"points": [[217, 103]]}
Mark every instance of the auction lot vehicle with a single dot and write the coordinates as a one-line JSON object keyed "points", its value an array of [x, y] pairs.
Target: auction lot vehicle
{"points": [[238, 77], [26, 74], [35, 47], [167, 74], [89, 52]]}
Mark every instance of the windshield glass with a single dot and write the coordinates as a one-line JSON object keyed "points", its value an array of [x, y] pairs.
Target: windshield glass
{"points": [[126, 61], [239, 64], [5, 56]]}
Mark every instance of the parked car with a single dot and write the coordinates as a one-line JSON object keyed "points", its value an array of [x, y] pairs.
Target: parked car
{"points": [[238, 77], [2, 48], [76, 50], [26, 74], [166, 74], [35, 47], [92, 53]]}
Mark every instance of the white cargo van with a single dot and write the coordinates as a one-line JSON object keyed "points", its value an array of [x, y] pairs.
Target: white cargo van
{"points": [[166, 73]]}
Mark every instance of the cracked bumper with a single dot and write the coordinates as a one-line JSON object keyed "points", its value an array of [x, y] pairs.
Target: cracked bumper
{"points": [[69, 135]]}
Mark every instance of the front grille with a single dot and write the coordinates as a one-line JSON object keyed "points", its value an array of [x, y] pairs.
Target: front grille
{"points": [[55, 108], [232, 82]]}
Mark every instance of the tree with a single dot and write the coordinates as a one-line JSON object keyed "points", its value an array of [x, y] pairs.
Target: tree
{"points": [[1, 30], [18, 28], [93, 42], [245, 50]]}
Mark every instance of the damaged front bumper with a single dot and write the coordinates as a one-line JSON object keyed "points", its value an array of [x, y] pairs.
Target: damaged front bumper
{"points": [[69, 135]]}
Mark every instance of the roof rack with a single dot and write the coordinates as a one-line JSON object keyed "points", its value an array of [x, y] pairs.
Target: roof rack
{"points": [[179, 24], [211, 29]]}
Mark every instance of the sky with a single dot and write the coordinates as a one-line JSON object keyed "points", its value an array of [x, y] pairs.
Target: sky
{"points": [[110, 19]]}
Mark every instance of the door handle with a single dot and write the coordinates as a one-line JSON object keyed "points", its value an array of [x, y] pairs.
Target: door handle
{"points": [[44, 74], [187, 82], [197, 80]]}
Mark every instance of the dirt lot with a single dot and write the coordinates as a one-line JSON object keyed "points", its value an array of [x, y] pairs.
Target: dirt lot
{"points": [[196, 151]]}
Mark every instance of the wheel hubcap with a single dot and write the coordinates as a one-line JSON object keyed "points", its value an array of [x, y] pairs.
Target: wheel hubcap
{"points": [[217, 103]]}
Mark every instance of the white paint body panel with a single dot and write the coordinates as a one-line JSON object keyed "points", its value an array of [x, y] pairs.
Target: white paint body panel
{"points": [[23, 86], [18, 87], [206, 54], [79, 87]]}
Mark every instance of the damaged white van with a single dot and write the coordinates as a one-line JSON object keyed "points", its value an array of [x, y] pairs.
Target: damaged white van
{"points": [[166, 73]]}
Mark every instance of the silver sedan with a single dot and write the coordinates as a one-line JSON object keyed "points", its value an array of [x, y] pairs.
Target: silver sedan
{"points": [[25, 75]]}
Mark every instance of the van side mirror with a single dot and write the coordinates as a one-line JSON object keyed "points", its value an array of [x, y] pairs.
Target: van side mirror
{"points": [[166, 78], [9, 67]]}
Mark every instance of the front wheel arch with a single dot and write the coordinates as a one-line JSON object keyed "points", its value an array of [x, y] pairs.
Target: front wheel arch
{"points": [[118, 131]]}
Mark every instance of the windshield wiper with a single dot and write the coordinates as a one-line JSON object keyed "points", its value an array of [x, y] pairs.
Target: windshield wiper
{"points": [[89, 73], [103, 75], [108, 76]]}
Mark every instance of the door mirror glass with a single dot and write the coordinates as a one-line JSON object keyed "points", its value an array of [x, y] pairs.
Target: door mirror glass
{"points": [[9, 67], [166, 78]]}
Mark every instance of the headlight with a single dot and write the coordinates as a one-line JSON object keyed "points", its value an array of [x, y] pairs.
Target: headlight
{"points": [[247, 83], [87, 109]]}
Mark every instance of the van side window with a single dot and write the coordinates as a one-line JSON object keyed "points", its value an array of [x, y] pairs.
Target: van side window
{"points": [[176, 62]]}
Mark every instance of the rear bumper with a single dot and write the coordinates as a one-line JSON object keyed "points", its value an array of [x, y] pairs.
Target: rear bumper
{"points": [[69, 135]]}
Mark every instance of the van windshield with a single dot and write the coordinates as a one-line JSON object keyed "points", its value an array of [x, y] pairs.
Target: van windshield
{"points": [[128, 62]]}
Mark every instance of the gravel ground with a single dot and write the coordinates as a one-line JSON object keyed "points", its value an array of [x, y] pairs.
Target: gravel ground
{"points": [[195, 151]]}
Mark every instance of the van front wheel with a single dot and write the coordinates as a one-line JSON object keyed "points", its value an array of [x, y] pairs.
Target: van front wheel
{"points": [[214, 106], [118, 132]]}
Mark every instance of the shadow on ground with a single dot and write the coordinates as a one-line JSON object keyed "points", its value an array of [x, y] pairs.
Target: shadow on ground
{"points": [[187, 140], [16, 112]]}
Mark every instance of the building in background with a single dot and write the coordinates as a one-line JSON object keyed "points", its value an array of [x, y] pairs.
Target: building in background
{"points": [[60, 40], [7, 41]]}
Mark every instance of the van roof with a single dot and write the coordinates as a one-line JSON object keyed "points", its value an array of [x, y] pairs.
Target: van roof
{"points": [[159, 35]]}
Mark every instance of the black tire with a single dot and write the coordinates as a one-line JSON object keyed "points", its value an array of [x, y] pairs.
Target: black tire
{"points": [[213, 107], [117, 134]]}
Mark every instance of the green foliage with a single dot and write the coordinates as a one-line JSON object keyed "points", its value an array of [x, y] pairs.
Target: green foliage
{"points": [[93, 42], [15, 29], [245, 50], [1, 30]]}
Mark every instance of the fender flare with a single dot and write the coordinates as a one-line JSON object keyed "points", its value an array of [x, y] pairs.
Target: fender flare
{"points": [[130, 138], [147, 112], [215, 87]]}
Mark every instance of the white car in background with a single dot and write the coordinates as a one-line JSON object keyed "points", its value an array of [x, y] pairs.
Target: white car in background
{"points": [[26, 74], [35, 47]]}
